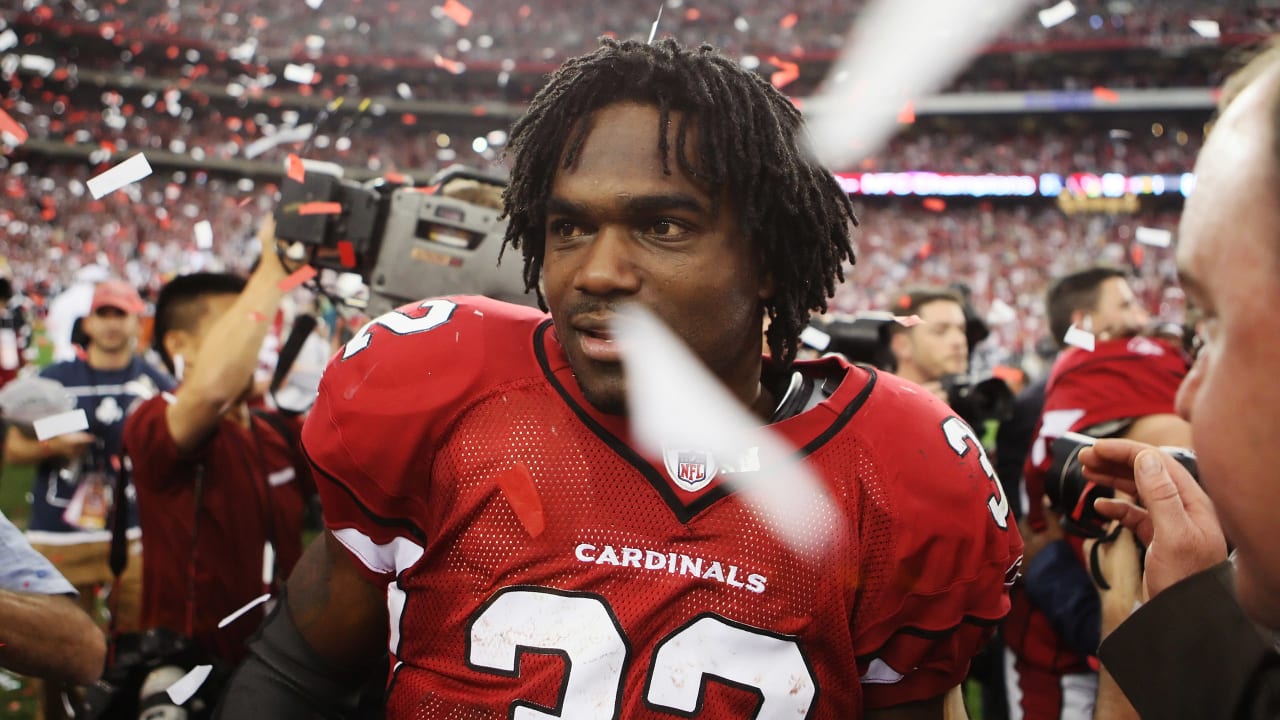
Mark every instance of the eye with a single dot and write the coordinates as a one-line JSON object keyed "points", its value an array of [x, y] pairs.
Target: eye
{"points": [[565, 229], [666, 228]]}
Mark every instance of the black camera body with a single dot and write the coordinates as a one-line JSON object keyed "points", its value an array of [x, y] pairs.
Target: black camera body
{"points": [[144, 665], [980, 401], [1072, 495], [406, 243]]}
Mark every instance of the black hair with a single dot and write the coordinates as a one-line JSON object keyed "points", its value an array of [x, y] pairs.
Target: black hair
{"points": [[751, 148], [1076, 291], [181, 304]]}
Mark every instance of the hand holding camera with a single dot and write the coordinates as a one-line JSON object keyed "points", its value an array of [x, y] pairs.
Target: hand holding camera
{"points": [[1175, 520]]}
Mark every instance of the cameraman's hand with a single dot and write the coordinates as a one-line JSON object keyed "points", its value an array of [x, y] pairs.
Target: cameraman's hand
{"points": [[1177, 524], [1032, 541], [273, 260], [1119, 563], [70, 445]]}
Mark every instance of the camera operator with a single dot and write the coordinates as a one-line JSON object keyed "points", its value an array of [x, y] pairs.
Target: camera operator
{"points": [[221, 490], [1194, 649], [43, 632], [1123, 387], [935, 348]]}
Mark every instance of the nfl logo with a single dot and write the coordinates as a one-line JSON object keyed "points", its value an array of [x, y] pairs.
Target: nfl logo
{"points": [[691, 470]]}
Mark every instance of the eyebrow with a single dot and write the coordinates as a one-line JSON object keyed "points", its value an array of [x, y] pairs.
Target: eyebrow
{"points": [[636, 205]]}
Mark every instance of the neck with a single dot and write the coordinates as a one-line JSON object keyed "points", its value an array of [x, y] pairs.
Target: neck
{"points": [[100, 359], [912, 373]]}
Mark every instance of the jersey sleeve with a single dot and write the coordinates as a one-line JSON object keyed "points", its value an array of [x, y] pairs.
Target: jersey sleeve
{"points": [[385, 402], [150, 445], [945, 547], [1123, 379]]}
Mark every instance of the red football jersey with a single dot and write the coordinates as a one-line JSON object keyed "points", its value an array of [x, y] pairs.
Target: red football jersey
{"points": [[1120, 379], [536, 563]]}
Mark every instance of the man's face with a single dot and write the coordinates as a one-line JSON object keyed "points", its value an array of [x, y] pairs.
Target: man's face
{"points": [[939, 346], [111, 329], [619, 231], [1229, 255], [1118, 313]]}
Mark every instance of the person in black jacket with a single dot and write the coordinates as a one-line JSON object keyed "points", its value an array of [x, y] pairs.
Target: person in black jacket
{"points": [[1204, 644]]}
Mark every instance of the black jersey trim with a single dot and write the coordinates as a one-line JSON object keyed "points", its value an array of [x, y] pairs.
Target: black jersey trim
{"points": [[933, 634], [412, 528], [683, 511]]}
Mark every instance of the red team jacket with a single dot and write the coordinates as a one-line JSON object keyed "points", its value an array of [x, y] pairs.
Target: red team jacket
{"points": [[534, 560], [1121, 379]]}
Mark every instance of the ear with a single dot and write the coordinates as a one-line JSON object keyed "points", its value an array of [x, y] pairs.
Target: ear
{"points": [[177, 343], [1077, 317], [768, 285]]}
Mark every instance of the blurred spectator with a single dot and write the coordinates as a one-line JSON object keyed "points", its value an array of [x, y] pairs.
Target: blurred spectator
{"points": [[937, 347], [74, 496], [221, 490]]}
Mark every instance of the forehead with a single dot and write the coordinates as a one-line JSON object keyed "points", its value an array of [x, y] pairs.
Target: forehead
{"points": [[942, 310], [620, 155], [1231, 219]]}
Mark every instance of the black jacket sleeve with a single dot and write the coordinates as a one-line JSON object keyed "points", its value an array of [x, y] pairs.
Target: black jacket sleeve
{"points": [[1191, 652], [1062, 590]]}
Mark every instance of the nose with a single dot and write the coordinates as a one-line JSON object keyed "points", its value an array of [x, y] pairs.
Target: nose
{"points": [[608, 266]]}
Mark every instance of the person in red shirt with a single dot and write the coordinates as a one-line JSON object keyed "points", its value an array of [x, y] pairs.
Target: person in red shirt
{"points": [[492, 525], [1124, 387], [221, 490]]}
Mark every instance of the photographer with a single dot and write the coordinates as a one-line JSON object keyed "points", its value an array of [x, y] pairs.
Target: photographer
{"points": [[221, 490], [1194, 649], [935, 348], [42, 631], [1123, 387]]}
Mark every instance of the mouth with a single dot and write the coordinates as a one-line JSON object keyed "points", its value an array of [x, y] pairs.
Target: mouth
{"points": [[596, 340]]}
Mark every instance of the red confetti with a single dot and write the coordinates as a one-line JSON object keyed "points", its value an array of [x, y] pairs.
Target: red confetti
{"points": [[320, 208], [1138, 253], [457, 12], [395, 177], [244, 201], [522, 493], [1105, 94], [11, 126], [346, 253], [692, 14], [789, 21], [299, 276], [907, 320], [297, 172], [935, 204], [453, 66], [907, 115], [786, 73], [257, 317]]}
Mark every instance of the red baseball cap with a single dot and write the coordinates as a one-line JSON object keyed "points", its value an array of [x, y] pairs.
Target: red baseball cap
{"points": [[117, 294]]}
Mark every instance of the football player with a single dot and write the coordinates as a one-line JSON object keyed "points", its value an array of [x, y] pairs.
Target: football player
{"points": [[491, 524]]}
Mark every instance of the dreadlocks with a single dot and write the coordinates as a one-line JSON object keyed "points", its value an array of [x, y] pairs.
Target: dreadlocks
{"points": [[749, 143]]}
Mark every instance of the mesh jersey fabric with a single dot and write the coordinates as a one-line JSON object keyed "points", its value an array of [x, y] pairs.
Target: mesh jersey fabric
{"points": [[534, 559]]}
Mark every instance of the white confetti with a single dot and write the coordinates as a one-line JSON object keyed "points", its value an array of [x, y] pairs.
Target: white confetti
{"points": [[1057, 14], [186, 686], [1155, 237], [301, 133], [898, 52], [204, 235], [8, 39], [315, 4], [61, 424], [653, 31], [404, 92], [1082, 339], [301, 74], [1206, 28], [240, 613], [675, 403], [127, 172], [908, 321], [815, 338], [37, 64]]}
